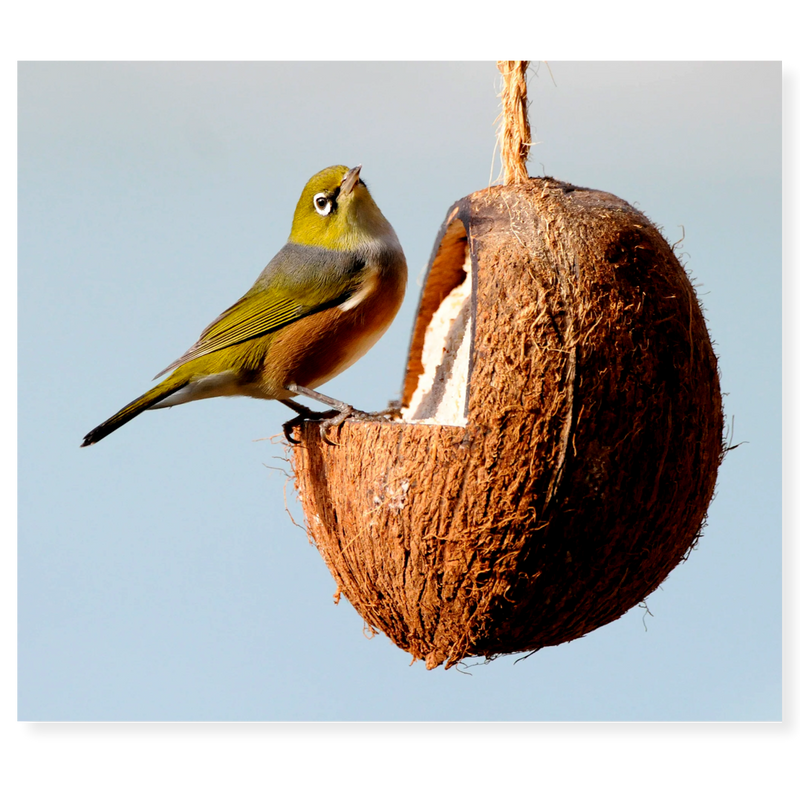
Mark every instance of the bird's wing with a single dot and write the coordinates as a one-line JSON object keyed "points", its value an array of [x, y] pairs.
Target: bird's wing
{"points": [[279, 296]]}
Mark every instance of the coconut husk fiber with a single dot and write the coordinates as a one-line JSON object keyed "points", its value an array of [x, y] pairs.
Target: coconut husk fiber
{"points": [[579, 468]]}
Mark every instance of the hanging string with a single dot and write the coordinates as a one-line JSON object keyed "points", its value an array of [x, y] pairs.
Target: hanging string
{"points": [[515, 132]]}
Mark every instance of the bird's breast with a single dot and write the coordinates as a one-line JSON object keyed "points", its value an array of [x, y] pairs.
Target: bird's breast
{"points": [[316, 348]]}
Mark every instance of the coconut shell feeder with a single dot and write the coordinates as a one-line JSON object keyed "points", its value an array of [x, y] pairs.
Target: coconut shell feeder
{"points": [[560, 432]]}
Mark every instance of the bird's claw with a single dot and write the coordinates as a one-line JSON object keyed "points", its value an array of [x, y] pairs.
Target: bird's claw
{"points": [[302, 417], [287, 428]]}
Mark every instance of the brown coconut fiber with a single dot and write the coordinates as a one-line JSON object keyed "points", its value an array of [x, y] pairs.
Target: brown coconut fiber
{"points": [[589, 453]]}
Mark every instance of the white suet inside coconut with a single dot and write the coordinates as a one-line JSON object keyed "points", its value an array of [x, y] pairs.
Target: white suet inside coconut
{"points": [[441, 394]]}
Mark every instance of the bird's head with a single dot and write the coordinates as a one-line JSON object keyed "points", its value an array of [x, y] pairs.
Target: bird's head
{"points": [[337, 212]]}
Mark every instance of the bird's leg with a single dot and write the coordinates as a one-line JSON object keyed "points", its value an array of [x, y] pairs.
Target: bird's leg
{"points": [[345, 410]]}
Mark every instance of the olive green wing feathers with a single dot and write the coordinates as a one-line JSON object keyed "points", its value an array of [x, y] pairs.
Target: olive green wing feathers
{"points": [[299, 281]]}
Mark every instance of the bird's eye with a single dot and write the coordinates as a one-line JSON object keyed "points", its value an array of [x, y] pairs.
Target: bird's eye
{"points": [[322, 204]]}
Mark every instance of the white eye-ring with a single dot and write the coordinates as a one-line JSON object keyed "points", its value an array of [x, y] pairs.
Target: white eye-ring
{"points": [[322, 204]]}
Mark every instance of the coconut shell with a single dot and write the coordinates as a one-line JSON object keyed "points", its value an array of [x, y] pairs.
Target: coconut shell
{"points": [[590, 452]]}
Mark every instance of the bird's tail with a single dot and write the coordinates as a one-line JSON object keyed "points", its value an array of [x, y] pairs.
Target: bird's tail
{"points": [[133, 409]]}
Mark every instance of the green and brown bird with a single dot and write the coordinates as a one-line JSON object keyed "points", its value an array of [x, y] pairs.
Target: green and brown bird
{"points": [[327, 296]]}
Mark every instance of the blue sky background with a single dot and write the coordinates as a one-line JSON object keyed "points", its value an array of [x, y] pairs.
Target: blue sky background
{"points": [[160, 576]]}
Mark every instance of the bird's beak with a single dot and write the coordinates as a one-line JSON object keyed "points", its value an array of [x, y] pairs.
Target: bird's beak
{"points": [[350, 180]]}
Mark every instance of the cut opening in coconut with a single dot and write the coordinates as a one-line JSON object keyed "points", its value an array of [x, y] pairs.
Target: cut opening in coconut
{"points": [[436, 391]]}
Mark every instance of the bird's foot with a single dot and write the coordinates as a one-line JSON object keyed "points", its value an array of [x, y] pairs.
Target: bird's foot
{"points": [[301, 417], [335, 421], [330, 419]]}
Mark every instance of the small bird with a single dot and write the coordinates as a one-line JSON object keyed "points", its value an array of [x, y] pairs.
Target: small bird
{"points": [[327, 296]]}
